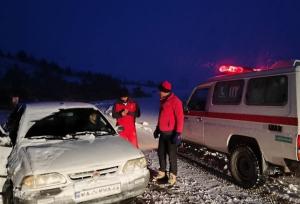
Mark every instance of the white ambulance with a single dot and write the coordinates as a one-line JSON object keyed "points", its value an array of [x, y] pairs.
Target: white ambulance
{"points": [[251, 115]]}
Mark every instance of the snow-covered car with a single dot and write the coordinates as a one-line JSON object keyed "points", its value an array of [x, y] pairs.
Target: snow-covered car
{"points": [[56, 156]]}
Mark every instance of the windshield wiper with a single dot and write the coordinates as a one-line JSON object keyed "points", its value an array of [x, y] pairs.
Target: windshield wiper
{"points": [[47, 137], [95, 133]]}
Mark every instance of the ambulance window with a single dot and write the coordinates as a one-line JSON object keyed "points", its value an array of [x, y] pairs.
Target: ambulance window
{"points": [[228, 92], [267, 91], [198, 100]]}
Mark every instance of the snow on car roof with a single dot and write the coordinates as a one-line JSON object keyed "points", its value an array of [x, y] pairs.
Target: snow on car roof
{"points": [[47, 106], [37, 110]]}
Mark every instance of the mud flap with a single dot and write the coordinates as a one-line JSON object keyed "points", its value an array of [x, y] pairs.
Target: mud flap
{"points": [[293, 166]]}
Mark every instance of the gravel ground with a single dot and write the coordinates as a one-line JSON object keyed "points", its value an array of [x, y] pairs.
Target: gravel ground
{"points": [[198, 183]]}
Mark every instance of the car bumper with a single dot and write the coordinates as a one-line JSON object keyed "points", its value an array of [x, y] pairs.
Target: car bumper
{"points": [[92, 191]]}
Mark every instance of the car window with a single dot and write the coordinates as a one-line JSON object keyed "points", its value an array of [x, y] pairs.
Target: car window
{"points": [[70, 121], [228, 92], [267, 91], [198, 100]]}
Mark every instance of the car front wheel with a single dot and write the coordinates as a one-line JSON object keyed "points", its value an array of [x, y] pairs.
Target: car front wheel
{"points": [[244, 167], [8, 192]]}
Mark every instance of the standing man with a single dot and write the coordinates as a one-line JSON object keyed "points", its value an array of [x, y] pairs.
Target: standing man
{"points": [[125, 111], [169, 129]]}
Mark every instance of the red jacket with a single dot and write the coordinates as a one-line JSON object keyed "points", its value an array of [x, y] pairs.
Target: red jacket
{"points": [[171, 114], [129, 119]]}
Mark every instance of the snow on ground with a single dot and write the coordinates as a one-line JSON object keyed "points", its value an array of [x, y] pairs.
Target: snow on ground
{"points": [[195, 185], [147, 122]]}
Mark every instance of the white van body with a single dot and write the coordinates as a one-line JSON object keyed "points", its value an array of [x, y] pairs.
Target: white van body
{"points": [[248, 112]]}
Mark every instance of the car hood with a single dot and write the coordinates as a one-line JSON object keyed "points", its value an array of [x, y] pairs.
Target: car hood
{"points": [[71, 155]]}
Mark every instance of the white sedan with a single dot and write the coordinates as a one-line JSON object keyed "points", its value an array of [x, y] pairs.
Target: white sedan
{"points": [[68, 153]]}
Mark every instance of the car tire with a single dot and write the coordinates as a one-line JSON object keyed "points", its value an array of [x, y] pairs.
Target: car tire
{"points": [[8, 193], [244, 166], [128, 201]]}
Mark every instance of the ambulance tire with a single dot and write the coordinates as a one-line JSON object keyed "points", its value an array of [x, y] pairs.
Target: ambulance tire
{"points": [[244, 167]]}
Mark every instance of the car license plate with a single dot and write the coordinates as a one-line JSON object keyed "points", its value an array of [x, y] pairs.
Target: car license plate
{"points": [[97, 192]]}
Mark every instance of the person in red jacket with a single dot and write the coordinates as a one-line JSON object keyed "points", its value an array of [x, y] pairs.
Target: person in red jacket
{"points": [[169, 129], [125, 111]]}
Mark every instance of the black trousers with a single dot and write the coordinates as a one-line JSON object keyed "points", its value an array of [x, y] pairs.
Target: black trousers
{"points": [[165, 147]]}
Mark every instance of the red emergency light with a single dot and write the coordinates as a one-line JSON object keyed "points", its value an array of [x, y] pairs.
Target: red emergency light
{"points": [[229, 69]]}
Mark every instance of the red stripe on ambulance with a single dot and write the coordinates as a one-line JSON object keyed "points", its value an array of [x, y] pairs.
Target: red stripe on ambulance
{"points": [[247, 117]]}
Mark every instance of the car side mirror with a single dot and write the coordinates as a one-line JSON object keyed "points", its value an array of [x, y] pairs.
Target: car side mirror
{"points": [[185, 107], [119, 128]]}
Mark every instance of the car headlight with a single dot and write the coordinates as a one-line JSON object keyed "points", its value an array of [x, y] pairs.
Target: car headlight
{"points": [[134, 164], [43, 180]]}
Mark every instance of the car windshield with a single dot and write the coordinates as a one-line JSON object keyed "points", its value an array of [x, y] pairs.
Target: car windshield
{"points": [[71, 122]]}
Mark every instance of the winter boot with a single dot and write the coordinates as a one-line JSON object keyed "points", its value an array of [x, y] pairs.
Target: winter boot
{"points": [[172, 179], [160, 175]]}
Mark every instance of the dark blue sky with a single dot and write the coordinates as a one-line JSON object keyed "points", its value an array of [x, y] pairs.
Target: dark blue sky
{"points": [[138, 39]]}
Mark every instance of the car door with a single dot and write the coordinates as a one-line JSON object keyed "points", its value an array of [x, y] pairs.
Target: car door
{"points": [[193, 117], [5, 149], [8, 139]]}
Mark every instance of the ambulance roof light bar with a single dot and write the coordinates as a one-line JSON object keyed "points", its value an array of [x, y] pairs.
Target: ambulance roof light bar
{"points": [[229, 69]]}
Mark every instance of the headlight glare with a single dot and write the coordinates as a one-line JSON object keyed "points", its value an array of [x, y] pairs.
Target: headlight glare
{"points": [[134, 164], [43, 180]]}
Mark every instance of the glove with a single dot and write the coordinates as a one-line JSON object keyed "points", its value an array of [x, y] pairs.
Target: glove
{"points": [[156, 133], [176, 138]]}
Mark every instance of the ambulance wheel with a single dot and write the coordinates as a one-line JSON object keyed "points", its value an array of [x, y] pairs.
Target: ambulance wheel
{"points": [[244, 167]]}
